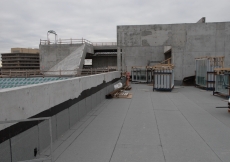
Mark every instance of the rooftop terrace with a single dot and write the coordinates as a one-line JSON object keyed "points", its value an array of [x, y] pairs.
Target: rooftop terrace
{"points": [[178, 126]]}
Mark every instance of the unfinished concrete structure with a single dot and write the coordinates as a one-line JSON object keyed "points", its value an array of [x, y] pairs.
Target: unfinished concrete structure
{"points": [[162, 127], [69, 56], [139, 44]]}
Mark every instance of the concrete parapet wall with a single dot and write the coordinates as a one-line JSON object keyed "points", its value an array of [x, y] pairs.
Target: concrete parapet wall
{"points": [[69, 101], [24, 102], [140, 43]]}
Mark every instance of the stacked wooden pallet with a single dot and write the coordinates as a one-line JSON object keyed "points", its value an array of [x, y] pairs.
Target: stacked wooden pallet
{"points": [[120, 93]]}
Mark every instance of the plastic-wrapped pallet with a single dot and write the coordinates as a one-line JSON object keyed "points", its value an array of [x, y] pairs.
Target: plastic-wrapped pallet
{"points": [[141, 74], [205, 75], [221, 84], [163, 79], [222, 79]]}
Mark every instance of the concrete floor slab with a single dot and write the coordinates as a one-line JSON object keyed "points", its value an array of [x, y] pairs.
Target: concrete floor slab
{"points": [[180, 141], [178, 126], [137, 153], [86, 153]]}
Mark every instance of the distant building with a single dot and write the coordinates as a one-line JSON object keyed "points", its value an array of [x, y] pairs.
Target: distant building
{"points": [[20, 60]]}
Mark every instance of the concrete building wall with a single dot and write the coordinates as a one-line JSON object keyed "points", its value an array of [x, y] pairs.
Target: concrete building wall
{"points": [[28, 101], [141, 43]]}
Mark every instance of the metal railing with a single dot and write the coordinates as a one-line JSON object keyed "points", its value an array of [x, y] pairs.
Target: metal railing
{"points": [[59, 73], [104, 43], [65, 41], [77, 41], [92, 71]]}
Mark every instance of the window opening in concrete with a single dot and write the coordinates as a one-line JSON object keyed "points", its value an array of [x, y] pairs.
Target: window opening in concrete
{"points": [[88, 62], [168, 52]]}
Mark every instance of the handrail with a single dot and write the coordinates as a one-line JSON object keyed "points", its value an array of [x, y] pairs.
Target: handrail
{"points": [[77, 72], [104, 43], [77, 41], [65, 41]]}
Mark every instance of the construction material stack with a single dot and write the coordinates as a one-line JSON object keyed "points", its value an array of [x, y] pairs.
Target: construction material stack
{"points": [[141, 74], [205, 74], [222, 82], [163, 75]]}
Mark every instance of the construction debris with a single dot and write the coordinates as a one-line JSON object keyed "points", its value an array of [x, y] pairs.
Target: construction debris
{"points": [[120, 93]]}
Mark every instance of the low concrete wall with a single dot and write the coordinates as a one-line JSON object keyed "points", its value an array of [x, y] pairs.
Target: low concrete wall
{"points": [[29, 101], [24, 102]]}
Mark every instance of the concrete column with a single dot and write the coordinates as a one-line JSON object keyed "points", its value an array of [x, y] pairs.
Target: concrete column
{"points": [[123, 61], [118, 58]]}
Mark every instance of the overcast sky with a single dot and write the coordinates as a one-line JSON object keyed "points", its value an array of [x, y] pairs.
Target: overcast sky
{"points": [[24, 22]]}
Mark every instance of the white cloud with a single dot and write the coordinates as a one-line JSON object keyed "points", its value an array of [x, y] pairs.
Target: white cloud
{"points": [[23, 23]]}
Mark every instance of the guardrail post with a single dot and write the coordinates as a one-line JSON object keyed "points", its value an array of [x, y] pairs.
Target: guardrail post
{"points": [[60, 73]]}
